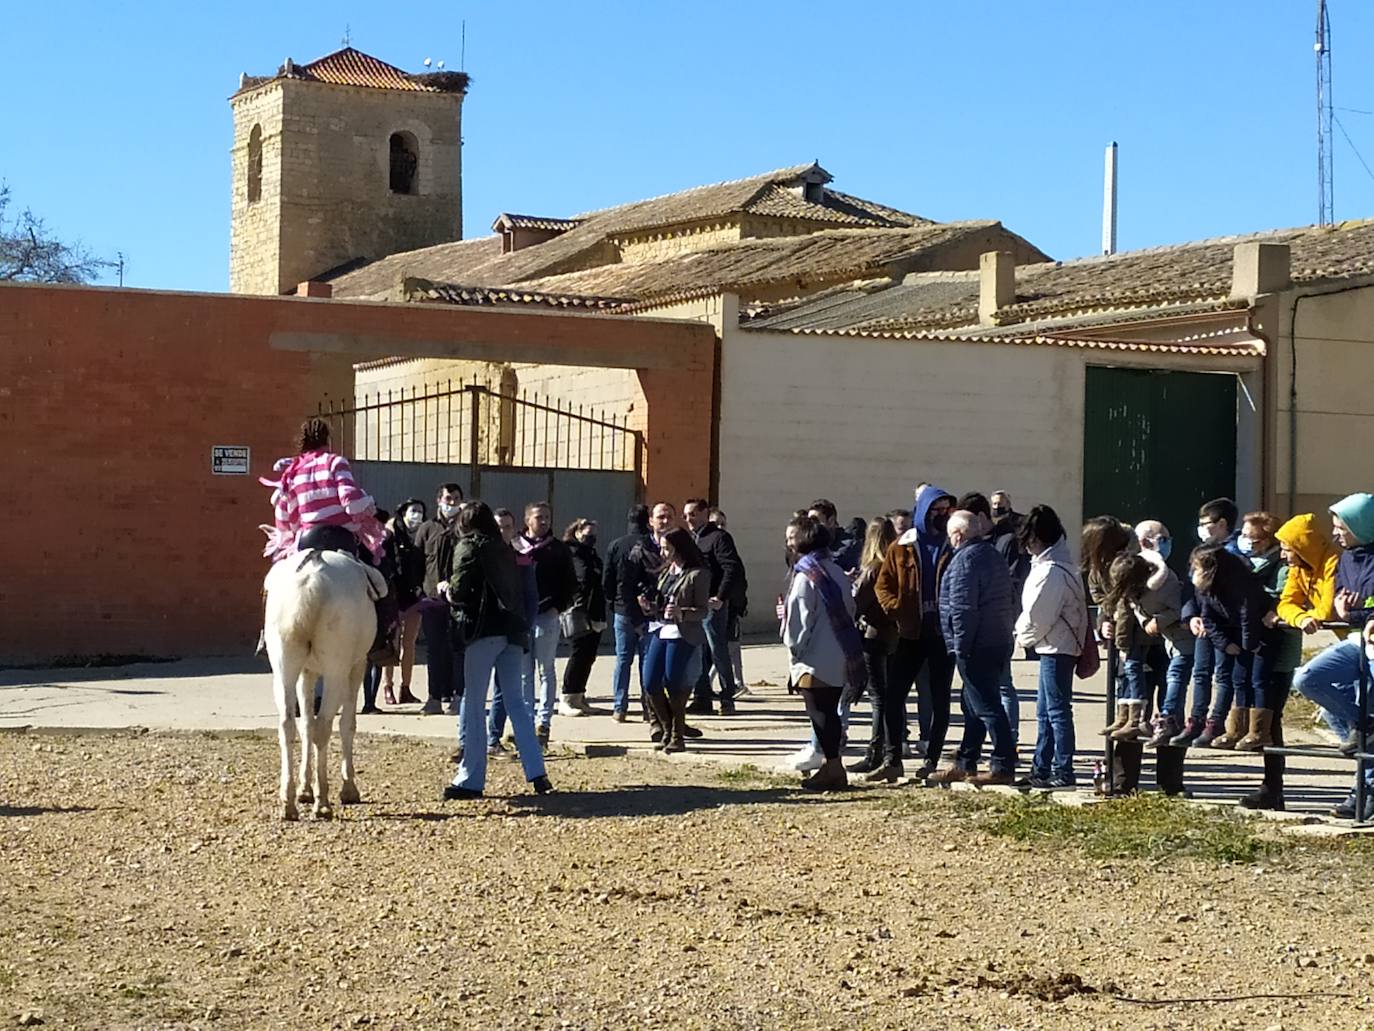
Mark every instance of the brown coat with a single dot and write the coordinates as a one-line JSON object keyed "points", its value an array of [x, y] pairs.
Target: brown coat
{"points": [[898, 589]]}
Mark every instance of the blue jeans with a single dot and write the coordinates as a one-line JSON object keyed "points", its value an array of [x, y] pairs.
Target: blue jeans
{"points": [[665, 666], [1332, 680], [716, 655], [1209, 661], [1180, 671], [1054, 739], [629, 645], [1133, 684], [480, 659], [1251, 676], [1011, 703], [984, 716], [540, 669]]}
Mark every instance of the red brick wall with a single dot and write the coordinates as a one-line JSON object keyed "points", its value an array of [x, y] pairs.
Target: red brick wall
{"points": [[110, 401]]}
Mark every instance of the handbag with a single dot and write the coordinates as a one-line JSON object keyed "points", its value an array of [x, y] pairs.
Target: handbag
{"points": [[1089, 661], [574, 623]]}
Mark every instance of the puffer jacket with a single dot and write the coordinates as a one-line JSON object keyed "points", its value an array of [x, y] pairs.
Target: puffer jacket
{"points": [[1054, 611], [1163, 602], [977, 607], [1233, 612], [1310, 590]]}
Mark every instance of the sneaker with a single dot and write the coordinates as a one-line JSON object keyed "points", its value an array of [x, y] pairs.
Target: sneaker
{"points": [[433, 707], [701, 707], [453, 793], [495, 748], [1033, 783], [741, 691], [1346, 810], [804, 760], [888, 773], [916, 749], [727, 707], [541, 786], [1063, 782], [567, 708], [453, 707], [1351, 744], [993, 778], [619, 716]]}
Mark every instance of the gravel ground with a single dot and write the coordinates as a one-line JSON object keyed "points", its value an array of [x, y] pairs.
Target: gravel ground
{"points": [[144, 882]]}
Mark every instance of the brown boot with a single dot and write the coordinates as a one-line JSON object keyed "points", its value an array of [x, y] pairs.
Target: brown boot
{"points": [[660, 717], [830, 777], [1237, 722], [1122, 715], [1261, 734], [672, 740], [1131, 729]]}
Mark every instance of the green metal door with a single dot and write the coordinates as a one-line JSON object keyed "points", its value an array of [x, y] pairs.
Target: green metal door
{"points": [[1156, 445]]}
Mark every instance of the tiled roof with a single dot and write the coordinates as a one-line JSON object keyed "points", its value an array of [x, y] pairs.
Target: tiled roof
{"points": [[486, 296], [819, 257], [507, 220], [349, 67], [1241, 349], [585, 244], [1160, 277]]}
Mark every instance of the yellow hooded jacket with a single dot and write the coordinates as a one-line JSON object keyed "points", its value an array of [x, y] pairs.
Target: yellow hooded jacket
{"points": [[1310, 589]]}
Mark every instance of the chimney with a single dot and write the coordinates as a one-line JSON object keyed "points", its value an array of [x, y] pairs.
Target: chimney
{"points": [[1259, 268], [314, 288], [996, 285], [1109, 203]]}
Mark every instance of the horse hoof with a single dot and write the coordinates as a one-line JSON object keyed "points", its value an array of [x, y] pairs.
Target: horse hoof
{"points": [[348, 795], [323, 812], [306, 796], [289, 813]]}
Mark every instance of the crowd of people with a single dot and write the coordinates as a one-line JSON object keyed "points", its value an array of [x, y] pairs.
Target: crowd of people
{"points": [[957, 584]]}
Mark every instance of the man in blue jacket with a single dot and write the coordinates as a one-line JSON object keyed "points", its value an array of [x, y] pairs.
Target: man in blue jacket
{"points": [[978, 617]]}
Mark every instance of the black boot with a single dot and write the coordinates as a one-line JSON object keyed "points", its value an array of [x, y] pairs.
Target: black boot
{"points": [[1270, 794], [672, 741], [660, 717], [1126, 767], [1169, 770], [871, 761]]}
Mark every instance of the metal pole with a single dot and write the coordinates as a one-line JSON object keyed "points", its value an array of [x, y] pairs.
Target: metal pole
{"points": [[1109, 748], [1109, 203], [1363, 731]]}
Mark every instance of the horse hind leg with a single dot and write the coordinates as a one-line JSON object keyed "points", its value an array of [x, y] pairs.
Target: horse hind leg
{"points": [[305, 713], [324, 726], [348, 722], [284, 676]]}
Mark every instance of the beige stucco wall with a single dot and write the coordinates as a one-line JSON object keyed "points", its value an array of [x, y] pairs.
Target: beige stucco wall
{"points": [[666, 243], [1335, 396], [861, 421]]}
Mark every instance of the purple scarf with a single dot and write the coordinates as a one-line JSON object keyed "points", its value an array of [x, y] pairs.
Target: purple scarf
{"points": [[846, 632]]}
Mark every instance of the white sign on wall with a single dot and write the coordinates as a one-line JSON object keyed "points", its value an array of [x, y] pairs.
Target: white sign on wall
{"points": [[229, 460]]}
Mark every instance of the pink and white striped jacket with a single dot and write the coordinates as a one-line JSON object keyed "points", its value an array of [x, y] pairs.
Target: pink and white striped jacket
{"points": [[317, 489]]}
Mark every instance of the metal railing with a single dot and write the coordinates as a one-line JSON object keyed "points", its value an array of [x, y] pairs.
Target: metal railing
{"points": [[471, 423]]}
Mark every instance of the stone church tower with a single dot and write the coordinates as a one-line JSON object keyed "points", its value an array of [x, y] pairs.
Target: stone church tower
{"points": [[343, 158]]}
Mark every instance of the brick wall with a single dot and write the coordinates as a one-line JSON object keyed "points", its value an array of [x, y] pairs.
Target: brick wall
{"points": [[112, 400]]}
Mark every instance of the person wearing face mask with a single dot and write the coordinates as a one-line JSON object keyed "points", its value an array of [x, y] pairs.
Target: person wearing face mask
{"points": [[583, 620], [908, 590], [529, 593], [728, 585], [410, 588], [1160, 611], [437, 537], [1212, 667], [1332, 678]]}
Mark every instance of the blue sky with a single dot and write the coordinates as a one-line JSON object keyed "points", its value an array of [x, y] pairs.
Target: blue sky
{"points": [[115, 125]]}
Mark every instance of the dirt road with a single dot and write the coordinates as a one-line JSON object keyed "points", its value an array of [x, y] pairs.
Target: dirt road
{"points": [[145, 883]]}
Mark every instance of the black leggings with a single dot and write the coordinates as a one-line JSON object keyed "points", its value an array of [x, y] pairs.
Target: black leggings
{"points": [[889, 695], [823, 706], [328, 538], [579, 666]]}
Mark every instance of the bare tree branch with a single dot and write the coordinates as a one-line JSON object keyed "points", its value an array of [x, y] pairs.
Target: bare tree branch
{"points": [[29, 254]]}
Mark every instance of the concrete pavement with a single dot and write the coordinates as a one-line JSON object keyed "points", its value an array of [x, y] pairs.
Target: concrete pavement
{"points": [[235, 694]]}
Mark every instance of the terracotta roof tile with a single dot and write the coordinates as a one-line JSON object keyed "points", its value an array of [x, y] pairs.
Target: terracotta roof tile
{"points": [[350, 67]]}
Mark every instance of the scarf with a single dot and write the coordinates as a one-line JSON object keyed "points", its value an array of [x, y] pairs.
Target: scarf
{"points": [[846, 632]]}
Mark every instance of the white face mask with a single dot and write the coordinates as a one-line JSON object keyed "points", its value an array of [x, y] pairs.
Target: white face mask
{"points": [[1204, 533], [1245, 545], [414, 518], [448, 511]]}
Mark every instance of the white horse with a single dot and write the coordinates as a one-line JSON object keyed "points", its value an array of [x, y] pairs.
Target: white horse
{"points": [[321, 622]]}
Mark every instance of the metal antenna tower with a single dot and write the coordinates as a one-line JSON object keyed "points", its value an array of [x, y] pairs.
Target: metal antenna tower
{"points": [[1325, 143]]}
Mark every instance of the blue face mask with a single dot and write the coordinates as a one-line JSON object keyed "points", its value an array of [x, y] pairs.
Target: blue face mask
{"points": [[1245, 545], [1165, 547]]}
